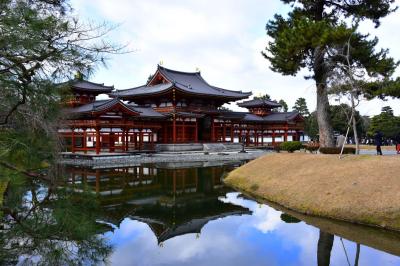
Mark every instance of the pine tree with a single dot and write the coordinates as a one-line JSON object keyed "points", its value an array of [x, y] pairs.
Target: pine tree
{"points": [[284, 107], [310, 36], [41, 44], [386, 122], [301, 106], [263, 97]]}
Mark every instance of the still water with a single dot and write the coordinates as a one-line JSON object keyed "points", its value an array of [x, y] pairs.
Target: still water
{"points": [[182, 214]]}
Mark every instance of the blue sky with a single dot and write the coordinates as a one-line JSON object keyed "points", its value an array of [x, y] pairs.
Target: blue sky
{"points": [[223, 39]]}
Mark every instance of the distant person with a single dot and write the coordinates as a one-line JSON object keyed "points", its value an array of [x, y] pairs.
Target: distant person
{"points": [[397, 141], [378, 142]]}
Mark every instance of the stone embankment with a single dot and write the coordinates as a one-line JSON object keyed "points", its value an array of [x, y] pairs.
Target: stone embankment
{"points": [[164, 157]]}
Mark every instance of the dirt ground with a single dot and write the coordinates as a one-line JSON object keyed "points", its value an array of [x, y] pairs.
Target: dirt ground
{"points": [[363, 189], [373, 147]]}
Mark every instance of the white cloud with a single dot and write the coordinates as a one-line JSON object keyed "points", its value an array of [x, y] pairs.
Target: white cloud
{"points": [[223, 38]]}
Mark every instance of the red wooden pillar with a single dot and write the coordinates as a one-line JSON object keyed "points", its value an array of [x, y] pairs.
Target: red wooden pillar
{"points": [[73, 141], [135, 140], [196, 137], [212, 130], [151, 139], [224, 132], [174, 128], [273, 137], [286, 133], [247, 137], [262, 137], [183, 130], [126, 139], [141, 139], [97, 140], [123, 139], [111, 142], [232, 129], [84, 144]]}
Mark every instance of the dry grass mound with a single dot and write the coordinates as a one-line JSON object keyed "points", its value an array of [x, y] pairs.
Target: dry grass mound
{"points": [[363, 189]]}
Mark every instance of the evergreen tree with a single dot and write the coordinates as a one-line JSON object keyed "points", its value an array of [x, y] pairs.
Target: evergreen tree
{"points": [[310, 36], [41, 44], [386, 122], [388, 110], [284, 107], [301, 106], [339, 116], [263, 97]]}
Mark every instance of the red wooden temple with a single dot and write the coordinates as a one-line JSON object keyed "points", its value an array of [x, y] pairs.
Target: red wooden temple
{"points": [[173, 108]]}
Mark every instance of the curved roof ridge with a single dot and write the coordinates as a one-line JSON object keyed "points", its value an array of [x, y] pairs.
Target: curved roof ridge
{"points": [[141, 86], [218, 88], [91, 82], [106, 102], [259, 102], [177, 71], [238, 91]]}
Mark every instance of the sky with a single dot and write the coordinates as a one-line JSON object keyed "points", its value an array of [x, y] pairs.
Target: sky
{"points": [[261, 238], [223, 39]]}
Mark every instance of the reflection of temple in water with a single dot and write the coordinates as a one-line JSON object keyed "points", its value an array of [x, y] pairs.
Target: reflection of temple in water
{"points": [[172, 199]]}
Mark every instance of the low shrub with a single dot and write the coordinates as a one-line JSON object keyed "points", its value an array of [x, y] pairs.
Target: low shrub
{"points": [[312, 147], [291, 146], [336, 150]]}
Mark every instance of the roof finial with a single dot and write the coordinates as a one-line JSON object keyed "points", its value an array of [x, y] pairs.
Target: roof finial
{"points": [[197, 69], [161, 62]]}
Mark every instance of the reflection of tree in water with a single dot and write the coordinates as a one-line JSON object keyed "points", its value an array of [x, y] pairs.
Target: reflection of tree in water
{"points": [[289, 219], [49, 226], [325, 243]]}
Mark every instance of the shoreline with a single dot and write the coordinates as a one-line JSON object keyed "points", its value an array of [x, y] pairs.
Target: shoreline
{"points": [[326, 186], [372, 236]]}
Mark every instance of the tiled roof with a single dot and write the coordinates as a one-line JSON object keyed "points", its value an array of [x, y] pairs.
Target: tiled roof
{"points": [[147, 112], [273, 117], [93, 107], [259, 103], [188, 82], [102, 105], [279, 117], [187, 114], [84, 85], [142, 90]]}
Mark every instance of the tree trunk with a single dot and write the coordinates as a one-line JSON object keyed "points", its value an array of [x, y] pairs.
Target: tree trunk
{"points": [[353, 110], [325, 243], [324, 124]]}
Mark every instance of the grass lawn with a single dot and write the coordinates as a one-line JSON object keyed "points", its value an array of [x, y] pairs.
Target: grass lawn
{"points": [[363, 189]]}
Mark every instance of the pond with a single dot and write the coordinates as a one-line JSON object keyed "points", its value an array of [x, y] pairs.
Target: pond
{"points": [[173, 214]]}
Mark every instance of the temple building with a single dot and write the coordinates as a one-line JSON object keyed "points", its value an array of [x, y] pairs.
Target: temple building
{"points": [[172, 108]]}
